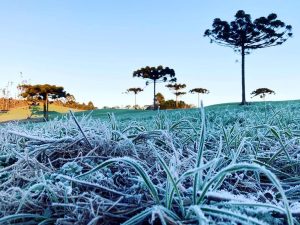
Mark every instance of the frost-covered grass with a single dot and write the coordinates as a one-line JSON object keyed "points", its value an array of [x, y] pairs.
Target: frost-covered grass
{"points": [[227, 165]]}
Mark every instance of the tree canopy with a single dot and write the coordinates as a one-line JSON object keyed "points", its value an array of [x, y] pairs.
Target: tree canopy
{"points": [[261, 33], [178, 93], [158, 73], [262, 92], [135, 90], [42, 91], [199, 91], [176, 87]]}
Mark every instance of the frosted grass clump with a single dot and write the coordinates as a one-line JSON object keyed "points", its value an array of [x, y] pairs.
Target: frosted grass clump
{"points": [[229, 165]]}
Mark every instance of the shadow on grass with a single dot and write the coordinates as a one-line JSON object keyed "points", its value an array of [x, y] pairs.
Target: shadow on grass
{"points": [[50, 113]]}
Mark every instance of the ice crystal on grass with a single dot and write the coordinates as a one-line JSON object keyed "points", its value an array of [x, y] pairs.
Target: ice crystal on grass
{"points": [[71, 169]]}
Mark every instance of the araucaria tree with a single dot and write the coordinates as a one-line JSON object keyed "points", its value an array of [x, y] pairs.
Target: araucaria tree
{"points": [[199, 91], [135, 92], [155, 75], [262, 92], [176, 88], [42, 92], [245, 35]]}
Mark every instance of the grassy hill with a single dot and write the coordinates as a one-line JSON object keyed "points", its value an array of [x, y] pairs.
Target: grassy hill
{"points": [[23, 113], [127, 114]]}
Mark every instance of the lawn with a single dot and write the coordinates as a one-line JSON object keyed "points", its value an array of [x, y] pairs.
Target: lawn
{"points": [[225, 164]]}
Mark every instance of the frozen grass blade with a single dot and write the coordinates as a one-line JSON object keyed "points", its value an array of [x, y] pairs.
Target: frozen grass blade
{"points": [[283, 147], [139, 218], [174, 185], [39, 186], [245, 166], [196, 209], [134, 164], [82, 132], [8, 219], [200, 148], [232, 216]]}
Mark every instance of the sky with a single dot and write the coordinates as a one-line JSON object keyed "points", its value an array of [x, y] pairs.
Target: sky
{"points": [[92, 47]]}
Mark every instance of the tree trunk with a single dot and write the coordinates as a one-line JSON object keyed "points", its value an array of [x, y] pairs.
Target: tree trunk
{"points": [[6, 105], [47, 109], [176, 101], [198, 100], [243, 77], [135, 101], [154, 97], [45, 106]]}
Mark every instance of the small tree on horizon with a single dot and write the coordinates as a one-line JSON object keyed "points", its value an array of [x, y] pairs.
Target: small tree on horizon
{"points": [[160, 98], [262, 92], [199, 91], [176, 88], [42, 92], [155, 75], [90, 105], [245, 35], [135, 91]]}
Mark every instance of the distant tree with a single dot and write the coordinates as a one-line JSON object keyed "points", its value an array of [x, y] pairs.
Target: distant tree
{"points": [[42, 92], [262, 92], [160, 98], [135, 91], [70, 98], [199, 91], [155, 75], [171, 104], [5, 103], [245, 35], [70, 101], [176, 88], [90, 105]]}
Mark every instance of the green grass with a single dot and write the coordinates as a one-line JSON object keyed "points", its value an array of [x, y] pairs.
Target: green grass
{"points": [[127, 114]]}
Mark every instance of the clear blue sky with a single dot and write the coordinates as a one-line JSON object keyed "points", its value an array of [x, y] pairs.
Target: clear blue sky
{"points": [[92, 47]]}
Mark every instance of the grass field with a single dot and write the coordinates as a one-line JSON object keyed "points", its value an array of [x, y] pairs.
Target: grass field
{"points": [[224, 164], [24, 112]]}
